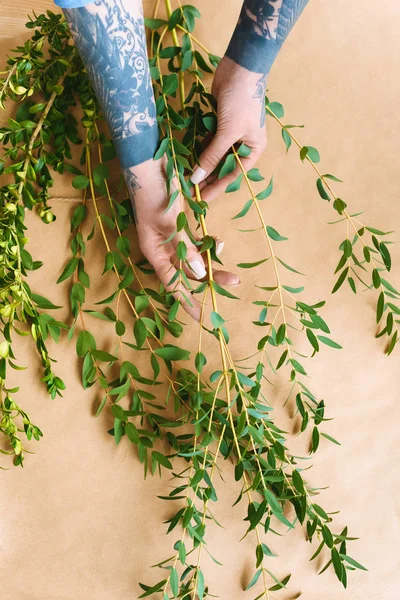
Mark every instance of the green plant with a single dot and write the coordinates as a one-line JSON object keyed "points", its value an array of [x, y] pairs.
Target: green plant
{"points": [[216, 416]]}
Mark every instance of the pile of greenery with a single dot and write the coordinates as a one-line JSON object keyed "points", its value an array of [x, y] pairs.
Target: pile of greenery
{"points": [[215, 416]]}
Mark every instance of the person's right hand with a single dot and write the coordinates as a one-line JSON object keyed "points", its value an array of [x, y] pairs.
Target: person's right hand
{"points": [[240, 118], [154, 226]]}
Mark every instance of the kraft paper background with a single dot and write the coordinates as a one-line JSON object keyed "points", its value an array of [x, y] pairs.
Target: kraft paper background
{"points": [[78, 522]]}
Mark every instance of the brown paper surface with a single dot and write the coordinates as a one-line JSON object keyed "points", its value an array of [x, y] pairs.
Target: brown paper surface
{"points": [[79, 522]]}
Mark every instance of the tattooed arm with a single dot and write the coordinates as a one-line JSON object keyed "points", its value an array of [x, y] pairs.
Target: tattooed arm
{"points": [[110, 37], [239, 85]]}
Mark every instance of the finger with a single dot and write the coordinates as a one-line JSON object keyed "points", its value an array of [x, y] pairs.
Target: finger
{"points": [[167, 274], [212, 156], [225, 278], [217, 186]]}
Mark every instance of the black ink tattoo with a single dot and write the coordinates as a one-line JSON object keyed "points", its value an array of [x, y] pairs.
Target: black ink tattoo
{"points": [[261, 87], [133, 185], [112, 45], [261, 30]]}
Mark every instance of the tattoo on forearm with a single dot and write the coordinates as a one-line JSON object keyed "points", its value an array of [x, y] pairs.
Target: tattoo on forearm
{"points": [[133, 185], [112, 45], [262, 28]]}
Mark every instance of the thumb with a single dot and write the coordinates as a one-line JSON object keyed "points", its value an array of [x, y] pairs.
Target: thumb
{"points": [[211, 157]]}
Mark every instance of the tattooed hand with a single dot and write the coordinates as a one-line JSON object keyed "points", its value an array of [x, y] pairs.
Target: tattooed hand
{"points": [[146, 184], [240, 83], [241, 116], [110, 36]]}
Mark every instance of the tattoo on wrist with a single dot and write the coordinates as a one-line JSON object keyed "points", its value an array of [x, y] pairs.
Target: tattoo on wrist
{"points": [[261, 87], [112, 44], [262, 28], [132, 185]]}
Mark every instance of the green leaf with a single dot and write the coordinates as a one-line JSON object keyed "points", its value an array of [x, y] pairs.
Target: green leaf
{"points": [[118, 412], [347, 248], [84, 343], [235, 185], [255, 175], [314, 439], [312, 339], [273, 234], [43, 302], [327, 536], [174, 582], [210, 122], [244, 210], [280, 334], [123, 245], [327, 175], [277, 109], [100, 173], [288, 267], [252, 265], [103, 356], [311, 152], [297, 366], [80, 182], [69, 269], [281, 584], [293, 290], [200, 584], [385, 256], [286, 138], [320, 511], [330, 438], [254, 580], [216, 320], [175, 18], [151, 590], [202, 63], [337, 563], [376, 280], [220, 290], [181, 250], [132, 433], [272, 501], [321, 190], [154, 23], [170, 352], [200, 361], [228, 166], [162, 460], [170, 85], [298, 482], [162, 148], [243, 150], [339, 205], [140, 332], [127, 280], [267, 192], [329, 342], [78, 215], [187, 60], [340, 280], [117, 430], [353, 562]]}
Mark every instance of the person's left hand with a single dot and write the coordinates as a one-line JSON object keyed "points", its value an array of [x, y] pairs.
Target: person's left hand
{"points": [[240, 117], [146, 185]]}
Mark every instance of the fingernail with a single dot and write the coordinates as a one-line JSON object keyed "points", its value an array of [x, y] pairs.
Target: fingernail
{"points": [[220, 247], [198, 269], [198, 175]]}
